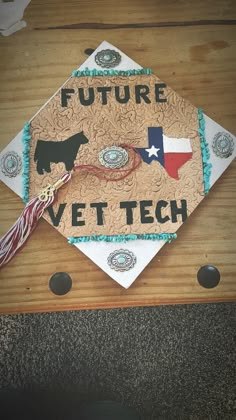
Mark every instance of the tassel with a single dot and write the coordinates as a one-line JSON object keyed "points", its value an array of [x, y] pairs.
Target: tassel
{"points": [[27, 222], [15, 238]]}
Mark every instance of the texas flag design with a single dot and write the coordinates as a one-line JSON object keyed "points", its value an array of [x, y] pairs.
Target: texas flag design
{"points": [[171, 153]]}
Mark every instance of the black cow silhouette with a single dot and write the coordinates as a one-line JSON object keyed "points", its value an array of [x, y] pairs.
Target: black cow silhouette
{"points": [[65, 151]]}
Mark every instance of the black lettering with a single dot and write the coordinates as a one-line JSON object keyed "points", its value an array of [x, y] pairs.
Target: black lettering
{"points": [[56, 218], [178, 210], [126, 96], [145, 215], [160, 219], [65, 95], [104, 91], [129, 206], [89, 100], [75, 214], [99, 207], [159, 91], [141, 92]]}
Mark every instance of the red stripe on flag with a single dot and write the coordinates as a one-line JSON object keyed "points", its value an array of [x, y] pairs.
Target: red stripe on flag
{"points": [[174, 161]]}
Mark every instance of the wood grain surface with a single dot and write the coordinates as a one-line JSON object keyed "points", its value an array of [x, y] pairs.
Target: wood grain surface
{"points": [[195, 57]]}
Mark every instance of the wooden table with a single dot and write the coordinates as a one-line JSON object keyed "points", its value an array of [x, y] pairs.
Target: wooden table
{"points": [[196, 57]]}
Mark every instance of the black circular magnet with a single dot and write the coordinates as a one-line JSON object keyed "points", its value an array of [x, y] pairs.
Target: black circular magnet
{"points": [[89, 51], [60, 283], [208, 276]]}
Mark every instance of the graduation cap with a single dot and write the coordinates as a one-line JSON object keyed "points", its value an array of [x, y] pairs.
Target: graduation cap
{"points": [[130, 158]]}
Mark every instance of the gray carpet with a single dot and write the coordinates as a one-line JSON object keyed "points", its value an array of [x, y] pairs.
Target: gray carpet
{"points": [[169, 362]]}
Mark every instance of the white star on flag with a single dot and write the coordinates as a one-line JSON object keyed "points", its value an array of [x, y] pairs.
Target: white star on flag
{"points": [[152, 151]]}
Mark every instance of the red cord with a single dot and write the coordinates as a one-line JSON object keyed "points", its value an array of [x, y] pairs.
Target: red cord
{"points": [[97, 170]]}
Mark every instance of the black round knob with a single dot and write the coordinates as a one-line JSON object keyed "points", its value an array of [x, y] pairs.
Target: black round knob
{"points": [[89, 51], [208, 276], [60, 283]]}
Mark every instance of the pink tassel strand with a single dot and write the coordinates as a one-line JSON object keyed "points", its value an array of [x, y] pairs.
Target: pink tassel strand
{"points": [[16, 237]]}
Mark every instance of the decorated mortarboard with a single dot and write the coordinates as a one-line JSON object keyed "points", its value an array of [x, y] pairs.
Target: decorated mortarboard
{"points": [[116, 161]]}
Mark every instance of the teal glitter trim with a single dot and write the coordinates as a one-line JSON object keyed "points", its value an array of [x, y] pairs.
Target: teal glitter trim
{"points": [[95, 72], [168, 237], [205, 152], [26, 161]]}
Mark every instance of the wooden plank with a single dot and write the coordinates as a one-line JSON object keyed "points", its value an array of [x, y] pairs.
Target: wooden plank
{"points": [[102, 13], [199, 62]]}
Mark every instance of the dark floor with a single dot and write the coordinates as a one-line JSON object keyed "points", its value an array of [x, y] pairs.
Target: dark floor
{"points": [[169, 362]]}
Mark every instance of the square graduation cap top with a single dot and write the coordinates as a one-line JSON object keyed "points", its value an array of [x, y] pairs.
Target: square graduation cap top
{"points": [[108, 102]]}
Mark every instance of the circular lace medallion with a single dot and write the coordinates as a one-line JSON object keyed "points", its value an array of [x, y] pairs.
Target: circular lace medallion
{"points": [[11, 164], [121, 260], [223, 145], [108, 58]]}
